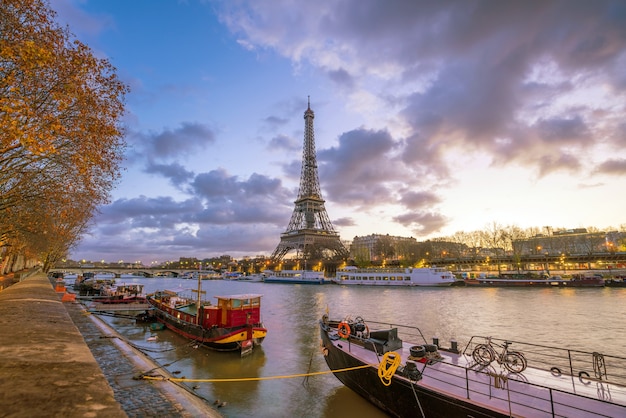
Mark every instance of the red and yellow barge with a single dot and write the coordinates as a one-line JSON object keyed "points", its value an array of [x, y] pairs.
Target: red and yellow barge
{"points": [[234, 323]]}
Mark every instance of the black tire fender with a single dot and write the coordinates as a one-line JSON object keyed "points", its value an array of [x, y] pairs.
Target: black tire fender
{"points": [[583, 374]]}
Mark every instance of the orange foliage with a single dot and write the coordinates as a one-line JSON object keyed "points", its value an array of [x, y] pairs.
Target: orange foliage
{"points": [[61, 140]]}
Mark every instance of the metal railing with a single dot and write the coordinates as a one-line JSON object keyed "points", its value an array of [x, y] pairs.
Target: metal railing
{"points": [[584, 367]]}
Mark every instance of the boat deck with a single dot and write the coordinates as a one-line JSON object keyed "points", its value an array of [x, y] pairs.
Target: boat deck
{"points": [[535, 392], [118, 306]]}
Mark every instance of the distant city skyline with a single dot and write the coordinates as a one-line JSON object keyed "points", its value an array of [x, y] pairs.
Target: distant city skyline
{"points": [[553, 242], [430, 118]]}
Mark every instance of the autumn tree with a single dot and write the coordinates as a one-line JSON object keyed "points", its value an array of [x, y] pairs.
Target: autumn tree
{"points": [[406, 252], [513, 235], [494, 237], [384, 248], [61, 140], [360, 255]]}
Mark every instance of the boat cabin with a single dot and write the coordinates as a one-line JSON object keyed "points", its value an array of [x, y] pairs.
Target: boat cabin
{"points": [[232, 311]]}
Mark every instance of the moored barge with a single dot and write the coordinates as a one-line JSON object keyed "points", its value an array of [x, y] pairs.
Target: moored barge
{"points": [[233, 324], [418, 379]]}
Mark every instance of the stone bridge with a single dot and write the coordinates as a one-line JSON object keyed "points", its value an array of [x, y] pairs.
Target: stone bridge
{"points": [[117, 271]]}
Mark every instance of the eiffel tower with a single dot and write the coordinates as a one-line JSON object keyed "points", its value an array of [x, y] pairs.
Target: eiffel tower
{"points": [[309, 228]]}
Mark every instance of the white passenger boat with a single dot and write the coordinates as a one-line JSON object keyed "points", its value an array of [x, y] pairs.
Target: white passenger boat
{"points": [[295, 276], [232, 275], [258, 277], [428, 276]]}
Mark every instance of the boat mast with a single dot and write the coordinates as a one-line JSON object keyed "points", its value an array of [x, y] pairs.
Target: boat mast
{"points": [[198, 301]]}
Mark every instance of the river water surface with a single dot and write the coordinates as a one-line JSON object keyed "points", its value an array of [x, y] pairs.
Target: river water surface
{"points": [[589, 319]]}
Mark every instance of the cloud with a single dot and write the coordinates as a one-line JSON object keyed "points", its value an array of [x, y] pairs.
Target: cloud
{"points": [[550, 163], [144, 212], [360, 169], [284, 142], [230, 216], [275, 121], [421, 222], [259, 199], [521, 82], [175, 172], [170, 144], [341, 77], [419, 199], [571, 131], [615, 166], [344, 222]]}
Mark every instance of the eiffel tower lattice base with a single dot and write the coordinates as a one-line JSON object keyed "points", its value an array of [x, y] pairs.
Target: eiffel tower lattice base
{"points": [[306, 242]]}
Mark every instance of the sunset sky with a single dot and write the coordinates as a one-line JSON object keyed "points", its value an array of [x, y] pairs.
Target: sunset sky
{"points": [[431, 117]]}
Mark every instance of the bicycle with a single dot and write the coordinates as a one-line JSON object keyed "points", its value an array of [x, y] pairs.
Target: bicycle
{"points": [[514, 361]]}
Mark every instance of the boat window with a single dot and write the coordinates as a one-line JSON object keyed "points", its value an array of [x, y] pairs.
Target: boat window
{"points": [[236, 303]]}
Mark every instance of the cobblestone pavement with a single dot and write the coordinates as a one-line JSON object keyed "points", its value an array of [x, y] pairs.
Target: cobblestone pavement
{"points": [[138, 398]]}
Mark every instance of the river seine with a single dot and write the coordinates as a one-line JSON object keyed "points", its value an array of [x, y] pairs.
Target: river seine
{"points": [[589, 319]]}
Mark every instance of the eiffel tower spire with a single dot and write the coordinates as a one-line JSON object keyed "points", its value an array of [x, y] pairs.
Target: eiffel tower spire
{"points": [[309, 226]]}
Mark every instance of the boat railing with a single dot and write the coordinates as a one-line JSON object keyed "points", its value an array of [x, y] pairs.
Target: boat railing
{"points": [[406, 332], [186, 296], [487, 382], [585, 366]]}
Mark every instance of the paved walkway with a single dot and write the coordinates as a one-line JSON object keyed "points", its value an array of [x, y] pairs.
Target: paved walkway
{"points": [[58, 361]]}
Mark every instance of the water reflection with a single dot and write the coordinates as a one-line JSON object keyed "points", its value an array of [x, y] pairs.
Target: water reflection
{"points": [[343, 402]]}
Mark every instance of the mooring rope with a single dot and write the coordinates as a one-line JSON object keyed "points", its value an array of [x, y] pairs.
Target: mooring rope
{"points": [[250, 379], [388, 366]]}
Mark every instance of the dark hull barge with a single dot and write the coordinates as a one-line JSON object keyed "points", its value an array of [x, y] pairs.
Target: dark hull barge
{"points": [[418, 379]]}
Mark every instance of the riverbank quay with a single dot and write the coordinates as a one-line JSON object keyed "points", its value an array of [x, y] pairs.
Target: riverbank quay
{"points": [[59, 361], [46, 367]]}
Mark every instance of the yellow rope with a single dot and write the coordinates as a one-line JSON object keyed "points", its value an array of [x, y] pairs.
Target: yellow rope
{"points": [[249, 379], [388, 366]]}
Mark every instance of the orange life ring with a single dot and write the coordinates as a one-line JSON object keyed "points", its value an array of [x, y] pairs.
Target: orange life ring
{"points": [[343, 330]]}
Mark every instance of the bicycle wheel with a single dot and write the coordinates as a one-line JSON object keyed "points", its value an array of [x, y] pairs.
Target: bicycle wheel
{"points": [[515, 362], [482, 354]]}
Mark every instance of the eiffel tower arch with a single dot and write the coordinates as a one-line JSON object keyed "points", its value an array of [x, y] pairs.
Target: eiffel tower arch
{"points": [[309, 230]]}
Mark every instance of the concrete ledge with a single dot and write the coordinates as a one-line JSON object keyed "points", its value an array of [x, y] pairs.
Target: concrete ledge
{"points": [[46, 369]]}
